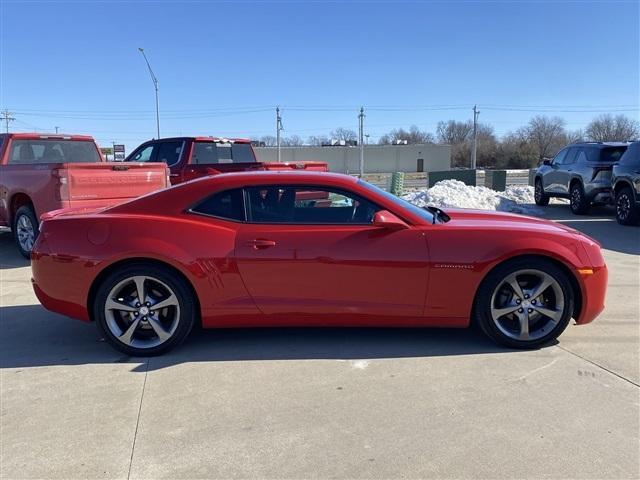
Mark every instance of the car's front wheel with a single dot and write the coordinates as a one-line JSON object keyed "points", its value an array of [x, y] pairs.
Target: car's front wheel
{"points": [[578, 200], [525, 303], [144, 309], [539, 196], [626, 211]]}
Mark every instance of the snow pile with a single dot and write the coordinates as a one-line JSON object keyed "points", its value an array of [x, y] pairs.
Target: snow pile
{"points": [[455, 194]]}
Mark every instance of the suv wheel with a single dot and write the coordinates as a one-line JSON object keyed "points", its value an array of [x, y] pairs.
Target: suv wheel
{"points": [[539, 196], [578, 201], [25, 230], [626, 211]]}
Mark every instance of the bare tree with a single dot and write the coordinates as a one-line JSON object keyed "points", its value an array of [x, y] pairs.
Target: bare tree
{"points": [[546, 134], [607, 128], [453, 132], [413, 136], [345, 134], [318, 140], [292, 141], [268, 140]]}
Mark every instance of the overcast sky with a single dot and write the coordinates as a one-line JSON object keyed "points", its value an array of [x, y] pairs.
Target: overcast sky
{"points": [[224, 66]]}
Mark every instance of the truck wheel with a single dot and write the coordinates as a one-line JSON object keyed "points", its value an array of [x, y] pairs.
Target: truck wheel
{"points": [[626, 211], [578, 201], [539, 196], [25, 230]]}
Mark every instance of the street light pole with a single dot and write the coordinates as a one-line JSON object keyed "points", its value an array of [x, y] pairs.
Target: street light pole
{"points": [[361, 139], [474, 147], [155, 84]]}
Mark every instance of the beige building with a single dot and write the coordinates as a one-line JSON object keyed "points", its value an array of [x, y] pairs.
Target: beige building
{"points": [[377, 158]]}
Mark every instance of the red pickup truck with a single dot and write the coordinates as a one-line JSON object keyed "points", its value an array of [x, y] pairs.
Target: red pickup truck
{"points": [[40, 173], [194, 157]]}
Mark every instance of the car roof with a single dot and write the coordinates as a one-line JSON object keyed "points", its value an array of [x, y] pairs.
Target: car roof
{"points": [[601, 144], [274, 176]]}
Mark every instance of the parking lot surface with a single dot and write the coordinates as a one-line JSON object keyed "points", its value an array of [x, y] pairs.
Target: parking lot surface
{"points": [[317, 403]]}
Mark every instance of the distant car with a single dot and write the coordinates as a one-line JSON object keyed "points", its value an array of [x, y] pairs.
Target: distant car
{"points": [[625, 182], [195, 157], [43, 172], [256, 249], [580, 172]]}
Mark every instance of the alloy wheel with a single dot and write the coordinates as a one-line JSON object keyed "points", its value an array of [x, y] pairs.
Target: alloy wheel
{"points": [[623, 206], [26, 233], [142, 312], [527, 305]]}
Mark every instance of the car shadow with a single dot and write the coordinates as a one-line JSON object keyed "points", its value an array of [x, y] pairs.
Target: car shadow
{"points": [[9, 256], [30, 336], [600, 224]]}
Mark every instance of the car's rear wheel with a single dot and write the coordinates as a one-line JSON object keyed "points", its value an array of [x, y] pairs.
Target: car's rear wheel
{"points": [[626, 211], [539, 196], [578, 201], [525, 303], [144, 310], [25, 230]]}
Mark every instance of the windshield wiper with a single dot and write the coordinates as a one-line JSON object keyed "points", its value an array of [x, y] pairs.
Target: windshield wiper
{"points": [[437, 214]]}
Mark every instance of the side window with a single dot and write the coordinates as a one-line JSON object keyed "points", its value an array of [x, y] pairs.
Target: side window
{"points": [[145, 154], [559, 158], [582, 156], [632, 155], [228, 205], [205, 153], [169, 152], [307, 205], [571, 156]]}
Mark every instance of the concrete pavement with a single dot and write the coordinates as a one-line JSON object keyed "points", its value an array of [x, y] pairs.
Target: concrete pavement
{"points": [[294, 403]]}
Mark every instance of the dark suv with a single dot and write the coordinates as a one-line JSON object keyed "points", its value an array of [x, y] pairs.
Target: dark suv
{"points": [[580, 172], [625, 182]]}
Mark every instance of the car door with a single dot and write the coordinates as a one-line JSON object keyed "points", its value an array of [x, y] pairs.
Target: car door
{"points": [[565, 173], [313, 253], [550, 176]]}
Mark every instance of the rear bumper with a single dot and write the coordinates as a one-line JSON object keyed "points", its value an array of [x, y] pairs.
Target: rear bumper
{"points": [[594, 288], [599, 193]]}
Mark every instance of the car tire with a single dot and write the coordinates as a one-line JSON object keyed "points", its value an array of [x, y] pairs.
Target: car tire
{"points": [[577, 199], [627, 213], [541, 198], [134, 327], [520, 316], [25, 230]]}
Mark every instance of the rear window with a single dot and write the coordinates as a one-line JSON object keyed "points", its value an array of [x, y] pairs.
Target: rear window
{"points": [[607, 154], [24, 152], [632, 155], [205, 153]]}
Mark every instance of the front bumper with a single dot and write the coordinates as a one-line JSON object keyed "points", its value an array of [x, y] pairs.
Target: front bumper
{"points": [[594, 288]]}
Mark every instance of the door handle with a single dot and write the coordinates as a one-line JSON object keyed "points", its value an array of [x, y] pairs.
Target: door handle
{"points": [[261, 243], [174, 174]]}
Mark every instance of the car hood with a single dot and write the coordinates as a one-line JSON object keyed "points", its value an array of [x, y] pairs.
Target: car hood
{"points": [[464, 218]]}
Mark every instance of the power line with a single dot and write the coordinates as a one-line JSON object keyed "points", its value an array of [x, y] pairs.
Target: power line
{"points": [[6, 116]]}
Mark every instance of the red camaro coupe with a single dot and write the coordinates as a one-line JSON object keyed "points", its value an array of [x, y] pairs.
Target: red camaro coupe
{"points": [[310, 249]]}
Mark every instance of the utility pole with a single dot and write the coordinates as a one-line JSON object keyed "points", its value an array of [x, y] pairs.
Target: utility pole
{"points": [[6, 116], [155, 84], [474, 148], [361, 139], [279, 128], [56, 129]]}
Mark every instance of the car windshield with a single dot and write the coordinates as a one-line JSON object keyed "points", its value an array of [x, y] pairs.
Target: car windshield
{"points": [[425, 214]]}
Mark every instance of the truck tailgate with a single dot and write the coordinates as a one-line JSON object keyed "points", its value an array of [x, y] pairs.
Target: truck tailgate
{"points": [[114, 180]]}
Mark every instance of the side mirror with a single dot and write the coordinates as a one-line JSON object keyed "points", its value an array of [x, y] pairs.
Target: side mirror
{"points": [[386, 219], [546, 162]]}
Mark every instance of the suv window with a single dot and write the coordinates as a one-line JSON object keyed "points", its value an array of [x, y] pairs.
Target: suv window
{"points": [[611, 154], [571, 156], [205, 153], [559, 158], [169, 152], [307, 205], [582, 156], [145, 154], [631, 156], [26, 152], [228, 205]]}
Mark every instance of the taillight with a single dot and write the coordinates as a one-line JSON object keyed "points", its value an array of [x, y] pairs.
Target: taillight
{"points": [[62, 189]]}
